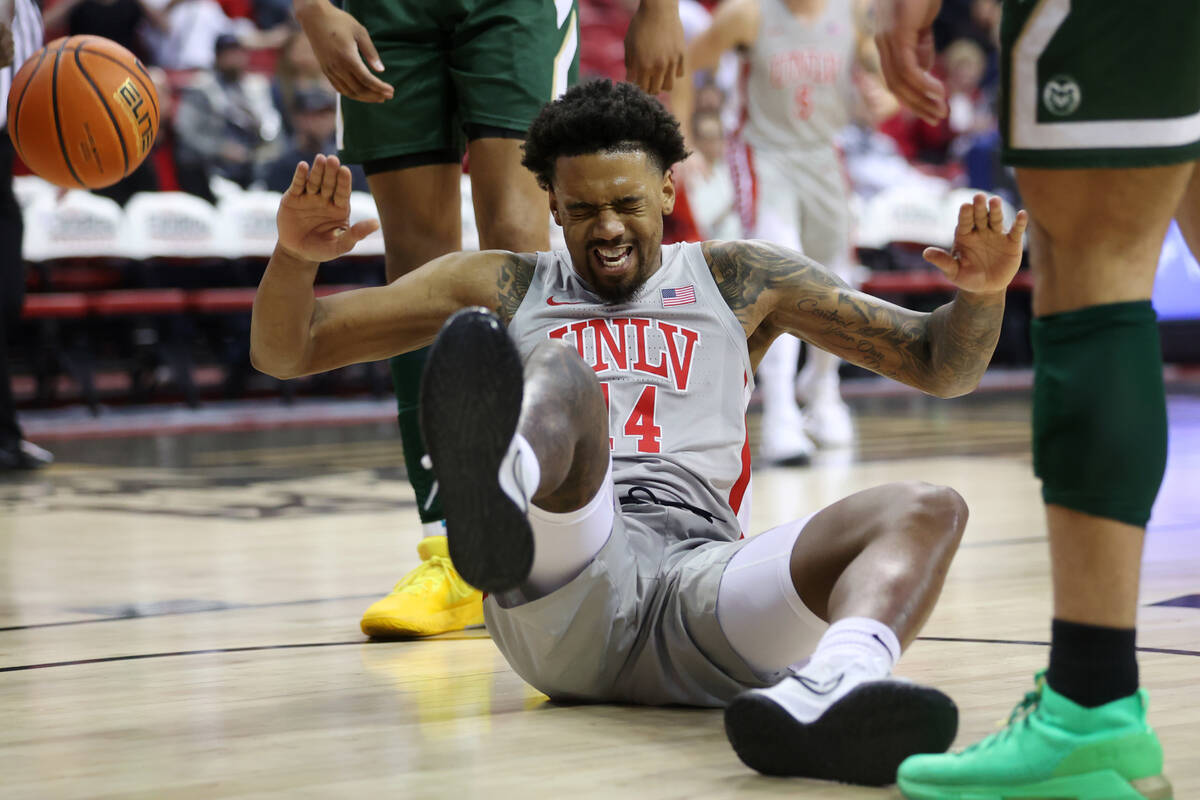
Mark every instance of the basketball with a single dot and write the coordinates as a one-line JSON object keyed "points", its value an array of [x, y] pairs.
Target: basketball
{"points": [[82, 112]]}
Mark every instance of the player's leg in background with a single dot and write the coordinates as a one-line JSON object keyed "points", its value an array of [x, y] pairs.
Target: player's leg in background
{"points": [[419, 210], [419, 213], [12, 289], [1100, 446], [15, 452], [847, 589], [511, 211], [1188, 214], [776, 218], [411, 147], [825, 236], [511, 445], [420, 217]]}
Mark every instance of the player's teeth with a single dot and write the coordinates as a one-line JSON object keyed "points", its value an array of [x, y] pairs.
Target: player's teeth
{"points": [[613, 254]]}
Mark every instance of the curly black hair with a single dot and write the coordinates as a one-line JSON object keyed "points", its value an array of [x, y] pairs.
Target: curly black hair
{"points": [[600, 116]]}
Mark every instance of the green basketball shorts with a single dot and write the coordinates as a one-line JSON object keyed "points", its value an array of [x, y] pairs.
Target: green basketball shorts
{"points": [[458, 66], [1100, 83]]}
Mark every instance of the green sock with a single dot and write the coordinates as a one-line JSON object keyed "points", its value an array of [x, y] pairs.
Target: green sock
{"points": [[406, 381]]}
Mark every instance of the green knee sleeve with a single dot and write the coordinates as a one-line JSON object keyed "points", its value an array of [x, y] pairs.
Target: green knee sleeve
{"points": [[406, 381], [1099, 410]]}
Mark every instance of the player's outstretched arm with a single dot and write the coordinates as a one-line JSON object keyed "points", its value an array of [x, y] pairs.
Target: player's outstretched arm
{"points": [[775, 290], [292, 333]]}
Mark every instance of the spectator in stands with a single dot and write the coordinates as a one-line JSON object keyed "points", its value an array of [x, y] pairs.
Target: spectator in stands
{"points": [[711, 195], [314, 124], [192, 29], [119, 20], [226, 123], [296, 70]]}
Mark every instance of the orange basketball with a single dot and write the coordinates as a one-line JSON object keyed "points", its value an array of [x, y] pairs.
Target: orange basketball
{"points": [[82, 112]]}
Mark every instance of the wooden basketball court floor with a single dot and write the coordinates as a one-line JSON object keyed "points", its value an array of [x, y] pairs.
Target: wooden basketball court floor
{"points": [[178, 618]]}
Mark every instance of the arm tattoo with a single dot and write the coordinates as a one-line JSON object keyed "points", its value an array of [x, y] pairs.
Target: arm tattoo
{"points": [[513, 283], [944, 352]]}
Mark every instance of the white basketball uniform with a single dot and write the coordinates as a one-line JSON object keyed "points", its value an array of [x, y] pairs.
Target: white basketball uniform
{"points": [[637, 621], [791, 187]]}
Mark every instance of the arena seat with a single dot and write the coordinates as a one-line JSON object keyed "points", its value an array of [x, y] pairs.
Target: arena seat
{"points": [[28, 188], [159, 335], [80, 225], [172, 225], [49, 357], [247, 222], [927, 282]]}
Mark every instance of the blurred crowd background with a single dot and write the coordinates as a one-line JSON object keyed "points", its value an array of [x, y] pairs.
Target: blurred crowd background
{"points": [[244, 99]]}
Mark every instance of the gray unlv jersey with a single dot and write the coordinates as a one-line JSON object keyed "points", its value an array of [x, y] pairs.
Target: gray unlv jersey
{"points": [[798, 83], [675, 371]]}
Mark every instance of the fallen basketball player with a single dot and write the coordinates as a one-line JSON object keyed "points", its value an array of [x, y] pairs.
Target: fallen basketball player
{"points": [[584, 411]]}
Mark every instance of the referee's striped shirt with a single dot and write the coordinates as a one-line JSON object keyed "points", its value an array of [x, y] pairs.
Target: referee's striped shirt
{"points": [[27, 39]]}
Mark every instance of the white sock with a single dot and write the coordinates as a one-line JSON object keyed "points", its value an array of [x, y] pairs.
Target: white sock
{"points": [[520, 472], [437, 528], [861, 639]]}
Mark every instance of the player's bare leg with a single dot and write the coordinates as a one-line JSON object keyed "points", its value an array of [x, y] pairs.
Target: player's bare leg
{"points": [[511, 211], [1079, 263], [871, 565], [1100, 431], [501, 436], [1188, 214], [882, 553], [419, 211]]}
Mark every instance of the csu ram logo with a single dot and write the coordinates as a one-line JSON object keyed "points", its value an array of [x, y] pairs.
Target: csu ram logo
{"points": [[129, 98], [1062, 95]]}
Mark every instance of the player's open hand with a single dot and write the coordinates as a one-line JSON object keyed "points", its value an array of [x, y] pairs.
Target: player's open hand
{"points": [[654, 46], [342, 45], [906, 54], [985, 257], [314, 214]]}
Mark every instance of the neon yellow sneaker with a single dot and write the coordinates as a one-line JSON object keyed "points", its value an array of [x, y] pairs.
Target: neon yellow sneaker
{"points": [[431, 599], [1051, 748]]}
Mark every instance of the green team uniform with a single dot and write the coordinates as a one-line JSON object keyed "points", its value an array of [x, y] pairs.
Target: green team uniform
{"points": [[1100, 83], [460, 69]]}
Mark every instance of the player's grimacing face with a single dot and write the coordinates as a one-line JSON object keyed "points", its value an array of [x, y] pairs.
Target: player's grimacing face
{"points": [[610, 205]]}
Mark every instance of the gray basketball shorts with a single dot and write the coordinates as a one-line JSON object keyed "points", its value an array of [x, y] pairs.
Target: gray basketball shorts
{"points": [[638, 625]]}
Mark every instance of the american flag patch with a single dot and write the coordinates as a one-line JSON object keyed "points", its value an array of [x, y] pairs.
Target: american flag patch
{"points": [[679, 296]]}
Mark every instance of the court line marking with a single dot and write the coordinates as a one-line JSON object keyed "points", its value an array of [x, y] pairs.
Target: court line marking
{"points": [[228, 607], [1165, 650], [307, 645]]}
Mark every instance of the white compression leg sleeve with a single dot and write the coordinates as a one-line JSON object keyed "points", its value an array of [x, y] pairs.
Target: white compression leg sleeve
{"points": [[758, 607], [563, 544]]}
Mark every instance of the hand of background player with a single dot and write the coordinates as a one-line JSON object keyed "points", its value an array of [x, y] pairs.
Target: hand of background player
{"points": [[338, 39], [314, 214], [984, 258], [905, 42], [654, 46]]}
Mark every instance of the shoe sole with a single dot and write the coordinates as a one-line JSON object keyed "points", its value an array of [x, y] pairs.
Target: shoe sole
{"points": [[470, 404], [1090, 786], [862, 738], [384, 627]]}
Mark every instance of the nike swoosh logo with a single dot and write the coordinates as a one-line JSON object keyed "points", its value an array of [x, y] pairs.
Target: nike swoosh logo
{"points": [[820, 688], [550, 301]]}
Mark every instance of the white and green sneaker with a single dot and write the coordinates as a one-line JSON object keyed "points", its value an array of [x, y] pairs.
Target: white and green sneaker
{"points": [[1051, 749]]}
